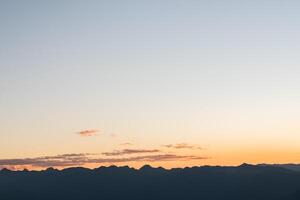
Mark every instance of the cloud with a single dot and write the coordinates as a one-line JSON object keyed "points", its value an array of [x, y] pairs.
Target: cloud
{"points": [[126, 144], [150, 158], [130, 151], [69, 160], [58, 160], [182, 146], [88, 133]]}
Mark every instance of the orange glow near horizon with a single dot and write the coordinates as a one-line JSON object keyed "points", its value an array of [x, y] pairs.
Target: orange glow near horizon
{"points": [[149, 82], [218, 159]]}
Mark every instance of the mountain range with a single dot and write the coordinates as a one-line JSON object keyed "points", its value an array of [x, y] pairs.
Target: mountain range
{"points": [[244, 182]]}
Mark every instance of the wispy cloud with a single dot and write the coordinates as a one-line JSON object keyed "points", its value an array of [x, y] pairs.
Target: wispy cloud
{"points": [[46, 161], [88, 133], [130, 151], [182, 146], [68, 160], [126, 144], [150, 158]]}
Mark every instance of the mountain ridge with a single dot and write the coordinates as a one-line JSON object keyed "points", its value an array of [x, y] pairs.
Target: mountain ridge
{"points": [[147, 167], [246, 181]]}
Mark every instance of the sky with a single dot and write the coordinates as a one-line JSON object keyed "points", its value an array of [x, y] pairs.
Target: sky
{"points": [[166, 83]]}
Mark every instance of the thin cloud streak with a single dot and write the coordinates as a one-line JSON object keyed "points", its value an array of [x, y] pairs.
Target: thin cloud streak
{"points": [[69, 160], [46, 161], [88, 133], [150, 158], [126, 144], [130, 151], [182, 146]]}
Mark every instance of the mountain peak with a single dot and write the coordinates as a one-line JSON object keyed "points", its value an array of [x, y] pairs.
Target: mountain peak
{"points": [[146, 167], [5, 170], [246, 165], [51, 169]]}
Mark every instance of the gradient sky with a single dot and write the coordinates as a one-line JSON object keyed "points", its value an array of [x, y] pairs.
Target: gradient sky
{"points": [[219, 80]]}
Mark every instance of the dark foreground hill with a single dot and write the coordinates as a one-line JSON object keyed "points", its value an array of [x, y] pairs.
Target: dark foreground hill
{"points": [[245, 182]]}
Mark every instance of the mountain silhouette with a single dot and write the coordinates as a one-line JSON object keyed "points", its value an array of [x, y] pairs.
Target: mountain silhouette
{"points": [[294, 167], [244, 182]]}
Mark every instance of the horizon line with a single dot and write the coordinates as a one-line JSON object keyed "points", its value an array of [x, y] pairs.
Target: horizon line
{"points": [[148, 166]]}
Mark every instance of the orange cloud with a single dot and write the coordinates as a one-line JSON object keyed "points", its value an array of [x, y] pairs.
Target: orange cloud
{"points": [[182, 146], [68, 160], [126, 144], [88, 133], [130, 151]]}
